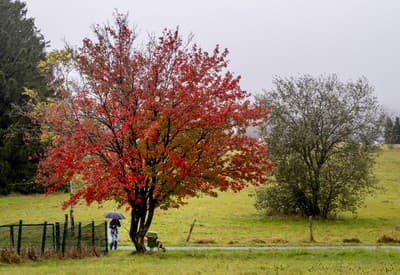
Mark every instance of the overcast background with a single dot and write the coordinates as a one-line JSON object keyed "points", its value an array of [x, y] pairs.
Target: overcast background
{"points": [[351, 38]]}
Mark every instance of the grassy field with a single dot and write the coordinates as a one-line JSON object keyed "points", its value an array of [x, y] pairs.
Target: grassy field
{"points": [[222, 262], [231, 219]]}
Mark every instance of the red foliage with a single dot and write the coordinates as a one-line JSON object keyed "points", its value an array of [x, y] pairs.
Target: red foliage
{"points": [[152, 125]]}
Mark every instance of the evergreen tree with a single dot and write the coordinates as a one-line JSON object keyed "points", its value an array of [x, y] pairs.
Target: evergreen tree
{"points": [[21, 48], [396, 131], [388, 134]]}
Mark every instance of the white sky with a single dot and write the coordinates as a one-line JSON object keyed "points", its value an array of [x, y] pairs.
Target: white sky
{"points": [[266, 38]]}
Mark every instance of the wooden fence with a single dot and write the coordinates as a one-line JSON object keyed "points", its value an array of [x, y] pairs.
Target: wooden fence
{"points": [[54, 237]]}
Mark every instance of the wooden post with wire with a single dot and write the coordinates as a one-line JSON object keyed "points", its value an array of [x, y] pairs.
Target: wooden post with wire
{"points": [[44, 235], [19, 237], [190, 230], [93, 234]]}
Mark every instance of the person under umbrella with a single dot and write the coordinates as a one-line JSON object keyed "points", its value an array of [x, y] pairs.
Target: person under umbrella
{"points": [[114, 224]]}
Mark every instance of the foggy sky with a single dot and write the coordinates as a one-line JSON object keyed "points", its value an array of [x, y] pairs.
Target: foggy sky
{"points": [[351, 38]]}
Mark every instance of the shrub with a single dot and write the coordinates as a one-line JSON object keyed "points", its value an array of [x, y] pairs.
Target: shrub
{"points": [[388, 239]]}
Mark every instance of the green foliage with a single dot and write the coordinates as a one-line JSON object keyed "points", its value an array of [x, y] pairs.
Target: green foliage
{"points": [[21, 48], [274, 200], [320, 135]]}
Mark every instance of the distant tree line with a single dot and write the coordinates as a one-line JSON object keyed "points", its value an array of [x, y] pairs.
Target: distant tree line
{"points": [[392, 130]]}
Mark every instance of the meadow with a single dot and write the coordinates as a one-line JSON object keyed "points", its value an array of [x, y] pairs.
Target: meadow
{"points": [[232, 220]]}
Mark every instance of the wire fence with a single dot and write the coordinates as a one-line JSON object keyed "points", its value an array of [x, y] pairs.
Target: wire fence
{"points": [[59, 238]]}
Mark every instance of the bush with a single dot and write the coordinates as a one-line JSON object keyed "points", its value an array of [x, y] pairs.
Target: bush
{"points": [[274, 201]]}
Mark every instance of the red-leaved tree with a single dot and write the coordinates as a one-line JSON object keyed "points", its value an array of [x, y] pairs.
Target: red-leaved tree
{"points": [[149, 126]]}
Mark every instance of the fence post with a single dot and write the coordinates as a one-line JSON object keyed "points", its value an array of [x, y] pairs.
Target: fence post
{"points": [[66, 220], [106, 235], [64, 240], [190, 230], [54, 236], [57, 236], [93, 239], [44, 237], [12, 236], [19, 237], [79, 235]]}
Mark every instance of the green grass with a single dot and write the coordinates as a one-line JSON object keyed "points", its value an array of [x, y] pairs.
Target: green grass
{"points": [[231, 219], [222, 262]]}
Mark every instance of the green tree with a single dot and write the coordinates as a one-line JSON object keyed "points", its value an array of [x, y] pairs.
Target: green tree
{"points": [[388, 132], [396, 131], [21, 48], [320, 135]]}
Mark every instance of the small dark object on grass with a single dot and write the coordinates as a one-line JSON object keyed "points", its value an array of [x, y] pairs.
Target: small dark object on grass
{"points": [[233, 242], [352, 240]]}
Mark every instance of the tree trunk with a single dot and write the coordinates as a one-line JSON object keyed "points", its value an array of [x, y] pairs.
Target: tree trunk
{"points": [[141, 218], [315, 188], [138, 241], [310, 224]]}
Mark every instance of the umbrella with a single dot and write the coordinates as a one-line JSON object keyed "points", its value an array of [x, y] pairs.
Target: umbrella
{"points": [[114, 215]]}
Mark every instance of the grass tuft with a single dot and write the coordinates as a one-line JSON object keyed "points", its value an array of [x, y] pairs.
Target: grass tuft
{"points": [[352, 240], [256, 240], [388, 238], [277, 240], [205, 241]]}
